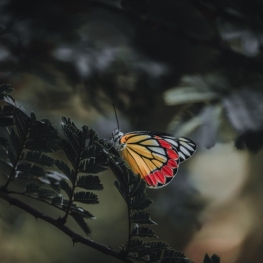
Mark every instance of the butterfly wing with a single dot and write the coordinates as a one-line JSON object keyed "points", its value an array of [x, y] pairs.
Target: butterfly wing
{"points": [[183, 146], [152, 156]]}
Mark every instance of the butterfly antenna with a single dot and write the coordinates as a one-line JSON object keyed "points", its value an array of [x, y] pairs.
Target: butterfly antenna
{"points": [[116, 115]]}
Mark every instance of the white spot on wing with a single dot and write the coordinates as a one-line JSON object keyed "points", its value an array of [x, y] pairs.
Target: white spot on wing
{"points": [[185, 151], [173, 142], [187, 145], [157, 150]]}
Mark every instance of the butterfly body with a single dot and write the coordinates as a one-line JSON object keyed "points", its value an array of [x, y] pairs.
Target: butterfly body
{"points": [[154, 156]]}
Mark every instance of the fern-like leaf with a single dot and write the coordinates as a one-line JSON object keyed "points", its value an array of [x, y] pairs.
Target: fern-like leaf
{"points": [[143, 232], [72, 134], [91, 166], [82, 223], [66, 187], [140, 202], [86, 198], [38, 157], [173, 256], [142, 217], [62, 166], [30, 169], [89, 182]]}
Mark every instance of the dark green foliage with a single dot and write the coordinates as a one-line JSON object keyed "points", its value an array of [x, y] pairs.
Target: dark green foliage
{"points": [[142, 232], [140, 202], [86, 198], [133, 190], [65, 186], [141, 217], [27, 144], [91, 165], [173, 256], [89, 182], [81, 222], [66, 170], [213, 259], [38, 157]]}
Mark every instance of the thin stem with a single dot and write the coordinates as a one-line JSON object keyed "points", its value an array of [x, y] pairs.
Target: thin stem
{"points": [[74, 183], [17, 158], [74, 236]]}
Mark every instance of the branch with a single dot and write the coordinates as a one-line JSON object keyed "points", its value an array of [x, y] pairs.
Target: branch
{"points": [[74, 236]]}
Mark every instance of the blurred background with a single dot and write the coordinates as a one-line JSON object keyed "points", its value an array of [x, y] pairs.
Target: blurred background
{"points": [[192, 68]]}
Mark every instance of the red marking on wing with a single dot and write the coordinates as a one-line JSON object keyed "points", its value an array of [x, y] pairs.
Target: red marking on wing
{"points": [[167, 171], [165, 144], [151, 180], [172, 154], [160, 177], [172, 163], [148, 180]]}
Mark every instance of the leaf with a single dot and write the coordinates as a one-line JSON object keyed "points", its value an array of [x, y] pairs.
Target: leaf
{"points": [[46, 193], [213, 259], [62, 166], [152, 247], [143, 232], [65, 146], [81, 211], [3, 142], [32, 188], [22, 122], [89, 182], [91, 166], [15, 141], [11, 156], [65, 186], [142, 217], [60, 201], [92, 137], [6, 121], [81, 222], [30, 169], [135, 245], [250, 140], [90, 151], [140, 202], [86, 198], [73, 134], [138, 187], [173, 256], [42, 137], [5, 90], [38, 157]]}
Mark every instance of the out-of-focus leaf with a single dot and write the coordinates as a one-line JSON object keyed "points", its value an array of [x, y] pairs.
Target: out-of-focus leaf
{"points": [[253, 141], [214, 259]]}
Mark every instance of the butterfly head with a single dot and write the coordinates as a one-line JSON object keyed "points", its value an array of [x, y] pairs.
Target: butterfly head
{"points": [[116, 136]]}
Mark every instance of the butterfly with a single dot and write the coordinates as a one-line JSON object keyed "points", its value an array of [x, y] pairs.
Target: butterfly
{"points": [[154, 156]]}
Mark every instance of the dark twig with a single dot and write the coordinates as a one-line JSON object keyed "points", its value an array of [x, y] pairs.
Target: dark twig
{"points": [[74, 236]]}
